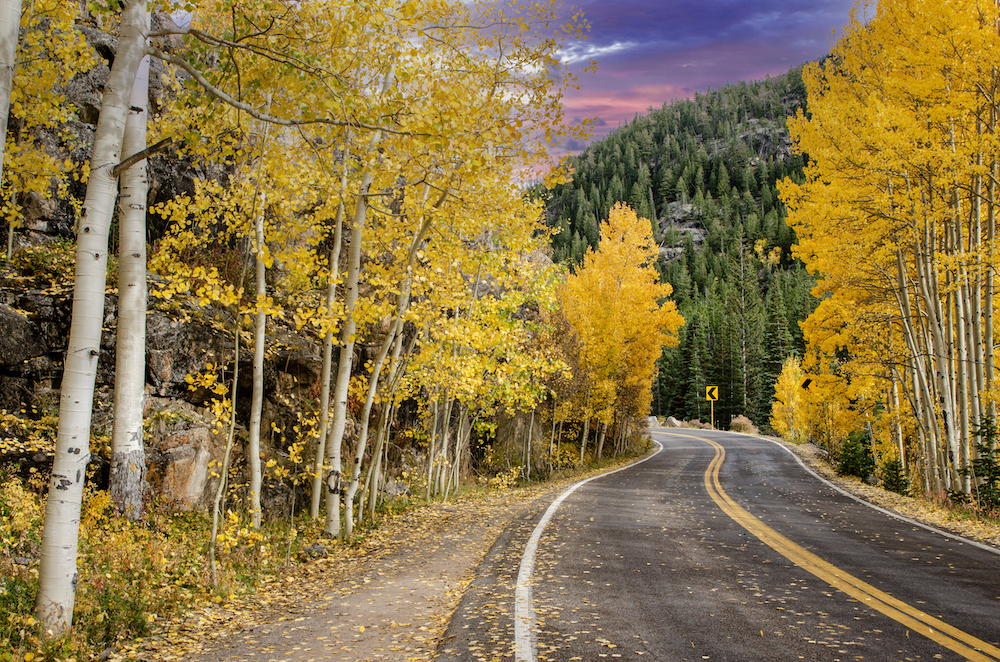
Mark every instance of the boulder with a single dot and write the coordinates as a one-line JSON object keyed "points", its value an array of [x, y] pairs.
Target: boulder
{"points": [[672, 422], [179, 467], [21, 338]]}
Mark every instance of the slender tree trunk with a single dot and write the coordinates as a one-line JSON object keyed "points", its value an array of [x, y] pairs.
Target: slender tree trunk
{"points": [[600, 441], [346, 361], [359, 450], [552, 435], [57, 569], [324, 395], [430, 449], [128, 456], [527, 446], [10, 19], [442, 466], [220, 492], [586, 426], [259, 336], [385, 422], [10, 22], [257, 399]]}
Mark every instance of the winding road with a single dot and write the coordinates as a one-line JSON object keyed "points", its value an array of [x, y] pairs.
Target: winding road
{"points": [[724, 547]]}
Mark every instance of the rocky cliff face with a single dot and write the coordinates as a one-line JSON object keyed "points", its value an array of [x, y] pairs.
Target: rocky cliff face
{"points": [[181, 438]]}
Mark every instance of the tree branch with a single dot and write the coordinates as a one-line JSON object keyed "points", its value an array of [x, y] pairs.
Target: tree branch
{"points": [[264, 117], [139, 156]]}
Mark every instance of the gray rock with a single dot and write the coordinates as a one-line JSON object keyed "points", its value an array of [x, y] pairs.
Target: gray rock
{"points": [[318, 550], [21, 339]]}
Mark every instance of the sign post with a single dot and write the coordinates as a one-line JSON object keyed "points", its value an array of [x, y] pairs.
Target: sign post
{"points": [[712, 394]]}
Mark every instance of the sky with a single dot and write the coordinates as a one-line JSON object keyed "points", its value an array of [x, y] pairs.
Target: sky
{"points": [[655, 51]]}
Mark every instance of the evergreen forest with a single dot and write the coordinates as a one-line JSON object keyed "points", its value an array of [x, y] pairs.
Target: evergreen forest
{"points": [[705, 172]]}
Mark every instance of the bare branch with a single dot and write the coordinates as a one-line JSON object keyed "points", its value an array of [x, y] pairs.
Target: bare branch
{"points": [[139, 156], [264, 117]]}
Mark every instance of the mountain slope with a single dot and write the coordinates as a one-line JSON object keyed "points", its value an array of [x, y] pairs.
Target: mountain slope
{"points": [[704, 171]]}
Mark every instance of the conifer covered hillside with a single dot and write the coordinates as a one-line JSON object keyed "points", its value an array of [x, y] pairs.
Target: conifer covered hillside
{"points": [[704, 171]]}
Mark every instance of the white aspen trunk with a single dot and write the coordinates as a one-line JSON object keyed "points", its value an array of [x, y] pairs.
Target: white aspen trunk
{"points": [[430, 449], [385, 423], [128, 456], [57, 569], [897, 430], [259, 336], [359, 450], [940, 355], [461, 444], [527, 446], [257, 400], [442, 466], [373, 479], [989, 291], [346, 360], [393, 339], [976, 295], [345, 363], [600, 440], [324, 380], [10, 22], [958, 333], [583, 438], [552, 435]]}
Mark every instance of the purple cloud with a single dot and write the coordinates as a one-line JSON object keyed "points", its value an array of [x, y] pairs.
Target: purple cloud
{"points": [[652, 52]]}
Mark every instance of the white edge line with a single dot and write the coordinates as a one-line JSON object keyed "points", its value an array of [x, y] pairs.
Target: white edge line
{"points": [[885, 511], [524, 611]]}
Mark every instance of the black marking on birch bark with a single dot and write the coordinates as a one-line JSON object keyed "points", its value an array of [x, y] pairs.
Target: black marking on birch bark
{"points": [[76, 578], [86, 230], [73, 451], [333, 482], [63, 484]]}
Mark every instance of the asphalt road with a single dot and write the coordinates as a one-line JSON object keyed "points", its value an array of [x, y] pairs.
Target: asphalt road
{"points": [[722, 547]]}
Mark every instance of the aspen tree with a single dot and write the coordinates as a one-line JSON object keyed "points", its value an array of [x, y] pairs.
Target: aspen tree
{"points": [[901, 139], [261, 259], [613, 302], [128, 455], [10, 22], [57, 570]]}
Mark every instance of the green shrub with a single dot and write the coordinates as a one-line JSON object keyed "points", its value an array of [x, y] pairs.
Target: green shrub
{"points": [[894, 477], [985, 470], [855, 457]]}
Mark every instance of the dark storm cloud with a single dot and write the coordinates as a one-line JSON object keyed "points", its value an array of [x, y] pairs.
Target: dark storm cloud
{"points": [[653, 52]]}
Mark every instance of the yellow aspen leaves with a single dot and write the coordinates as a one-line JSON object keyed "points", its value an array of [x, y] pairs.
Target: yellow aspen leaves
{"points": [[621, 314]]}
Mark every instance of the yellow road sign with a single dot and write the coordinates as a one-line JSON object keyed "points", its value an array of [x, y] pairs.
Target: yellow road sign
{"points": [[712, 393]]}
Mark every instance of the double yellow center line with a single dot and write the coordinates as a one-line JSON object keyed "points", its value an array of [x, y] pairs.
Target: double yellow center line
{"points": [[948, 636]]}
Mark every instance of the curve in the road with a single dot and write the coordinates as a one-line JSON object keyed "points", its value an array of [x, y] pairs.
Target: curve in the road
{"points": [[524, 611], [944, 634]]}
